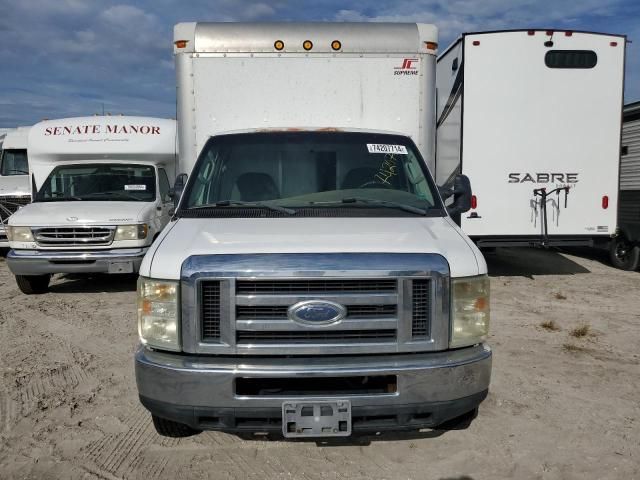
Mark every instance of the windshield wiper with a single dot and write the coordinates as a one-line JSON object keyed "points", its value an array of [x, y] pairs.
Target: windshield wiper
{"points": [[59, 197], [17, 170], [382, 203], [228, 203]]}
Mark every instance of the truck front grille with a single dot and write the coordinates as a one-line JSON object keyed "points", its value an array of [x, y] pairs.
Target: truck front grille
{"points": [[9, 205], [210, 305], [318, 337], [420, 310], [74, 236], [285, 287]]}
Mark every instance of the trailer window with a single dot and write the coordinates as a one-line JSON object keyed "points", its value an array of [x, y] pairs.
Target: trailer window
{"points": [[14, 162], [570, 59]]}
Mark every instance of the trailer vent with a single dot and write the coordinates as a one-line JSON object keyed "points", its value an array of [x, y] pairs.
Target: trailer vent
{"points": [[210, 311], [420, 316]]}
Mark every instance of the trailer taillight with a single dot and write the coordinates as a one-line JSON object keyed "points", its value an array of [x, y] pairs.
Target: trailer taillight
{"points": [[605, 202], [474, 202]]}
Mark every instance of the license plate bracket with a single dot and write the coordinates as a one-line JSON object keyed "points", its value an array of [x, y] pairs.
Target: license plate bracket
{"points": [[121, 267], [317, 418]]}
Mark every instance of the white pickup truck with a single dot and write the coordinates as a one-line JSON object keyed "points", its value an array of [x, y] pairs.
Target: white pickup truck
{"points": [[15, 189], [102, 196], [311, 281]]}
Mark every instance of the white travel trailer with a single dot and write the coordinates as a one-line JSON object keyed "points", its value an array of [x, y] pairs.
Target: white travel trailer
{"points": [[533, 118], [311, 266], [625, 247], [102, 196], [15, 189]]}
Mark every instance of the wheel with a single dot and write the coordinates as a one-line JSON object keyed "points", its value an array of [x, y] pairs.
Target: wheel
{"points": [[30, 284], [168, 428], [623, 254]]}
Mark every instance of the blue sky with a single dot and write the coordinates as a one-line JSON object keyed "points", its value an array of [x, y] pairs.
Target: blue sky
{"points": [[61, 58]]}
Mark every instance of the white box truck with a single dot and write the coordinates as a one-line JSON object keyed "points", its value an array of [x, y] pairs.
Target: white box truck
{"points": [[15, 189], [102, 195], [625, 247], [533, 117], [311, 281]]}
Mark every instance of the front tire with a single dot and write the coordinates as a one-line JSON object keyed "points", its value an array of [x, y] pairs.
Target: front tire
{"points": [[169, 428], [33, 284], [623, 254]]}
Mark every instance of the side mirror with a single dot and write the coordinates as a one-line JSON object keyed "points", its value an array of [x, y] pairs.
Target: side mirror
{"points": [[176, 192], [461, 196]]}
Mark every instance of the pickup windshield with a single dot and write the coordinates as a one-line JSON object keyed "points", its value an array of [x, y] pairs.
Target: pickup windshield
{"points": [[99, 182], [14, 162], [309, 172]]}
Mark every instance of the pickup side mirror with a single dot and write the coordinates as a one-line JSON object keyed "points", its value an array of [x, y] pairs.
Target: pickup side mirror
{"points": [[176, 191], [461, 196]]}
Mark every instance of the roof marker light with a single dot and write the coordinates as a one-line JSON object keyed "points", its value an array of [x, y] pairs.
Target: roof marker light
{"points": [[568, 33], [476, 42], [336, 45], [307, 45], [614, 44], [278, 45], [549, 32], [531, 32], [181, 43], [431, 45]]}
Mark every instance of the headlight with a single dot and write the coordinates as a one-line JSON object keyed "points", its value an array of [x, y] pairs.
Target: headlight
{"points": [[131, 232], [158, 313], [19, 234], [470, 311]]}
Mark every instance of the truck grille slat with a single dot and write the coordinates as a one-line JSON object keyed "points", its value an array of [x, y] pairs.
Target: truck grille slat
{"points": [[210, 306], [245, 312], [342, 336], [284, 287], [420, 311]]}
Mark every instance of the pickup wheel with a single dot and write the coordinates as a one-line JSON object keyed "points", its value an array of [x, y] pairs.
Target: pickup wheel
{"points": [[168, 428], [33, 284], [623, 254]]}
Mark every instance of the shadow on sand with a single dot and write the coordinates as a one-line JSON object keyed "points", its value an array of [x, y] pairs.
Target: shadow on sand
{"points": [[527, 262], [72, 283]]}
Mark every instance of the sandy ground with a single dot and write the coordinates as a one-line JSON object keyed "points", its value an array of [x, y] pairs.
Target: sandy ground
{"points": [[559, 406]]}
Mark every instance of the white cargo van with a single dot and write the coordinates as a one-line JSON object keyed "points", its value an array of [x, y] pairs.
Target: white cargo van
{"points": [[311, 281], [102, 196], [15, 190], [533, 118]]}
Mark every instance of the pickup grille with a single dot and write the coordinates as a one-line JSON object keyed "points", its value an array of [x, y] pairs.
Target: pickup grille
{"points": [[420, 311], [74, 236], [9, 205], [318, 337], [283, 287]]}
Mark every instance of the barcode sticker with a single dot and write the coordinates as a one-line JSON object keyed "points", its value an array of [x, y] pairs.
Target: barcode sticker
{"points": [[135, 187], [382, 148]]}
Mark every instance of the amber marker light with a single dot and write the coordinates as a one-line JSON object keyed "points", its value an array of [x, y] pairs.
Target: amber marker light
{"points": [[336, 45], [278, 45], [307, 45], [181, 43]]}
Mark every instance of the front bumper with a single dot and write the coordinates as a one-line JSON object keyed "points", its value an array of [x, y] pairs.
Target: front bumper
{"points": [[199, 391], [40, 262]]}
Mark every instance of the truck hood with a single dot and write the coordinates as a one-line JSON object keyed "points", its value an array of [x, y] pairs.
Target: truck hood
{"points": [[15, 185], [41, 214], [209, 236]]}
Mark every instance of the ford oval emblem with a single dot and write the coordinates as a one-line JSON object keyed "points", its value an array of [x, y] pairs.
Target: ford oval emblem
{"points": [[317, 312]]}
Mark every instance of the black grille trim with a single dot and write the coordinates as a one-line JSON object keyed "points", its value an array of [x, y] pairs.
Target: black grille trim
{"points": [[245, 312], [288, 287], [326, 337], [420, 310], [210, 311]]}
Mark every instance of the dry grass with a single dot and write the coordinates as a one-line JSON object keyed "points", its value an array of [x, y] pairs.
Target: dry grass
{"points": [[550, 326], [571, 348], [559, 296], [580, 332]]}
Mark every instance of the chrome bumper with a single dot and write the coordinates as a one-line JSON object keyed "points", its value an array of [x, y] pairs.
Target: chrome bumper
{"points": [[200, 391], [39, 262]]}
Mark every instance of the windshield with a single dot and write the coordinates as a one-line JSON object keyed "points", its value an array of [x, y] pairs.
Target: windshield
{"points": [[14, 162], [307, 170], [100, 181]]}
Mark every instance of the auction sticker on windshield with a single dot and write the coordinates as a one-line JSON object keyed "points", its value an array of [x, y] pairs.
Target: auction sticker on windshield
{"points": [[382, 148], [135, 187]]}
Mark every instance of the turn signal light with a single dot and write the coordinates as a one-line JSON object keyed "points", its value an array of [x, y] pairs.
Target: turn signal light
{"points": [[307, 45]]}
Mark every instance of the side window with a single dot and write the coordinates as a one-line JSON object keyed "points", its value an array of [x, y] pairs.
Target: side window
{"points": [[164, 184]]}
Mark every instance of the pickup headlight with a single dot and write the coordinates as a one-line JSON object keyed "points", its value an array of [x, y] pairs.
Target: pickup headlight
{"points": [[158, 313], [131, 232], [19, 234], [470, 310]]}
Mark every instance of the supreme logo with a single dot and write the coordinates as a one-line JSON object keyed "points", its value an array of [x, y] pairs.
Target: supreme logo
{"points": [[408, 67]]}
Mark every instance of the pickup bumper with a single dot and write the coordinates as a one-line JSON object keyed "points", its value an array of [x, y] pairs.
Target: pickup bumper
{"points": [[201, 391], [40, 262]]}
